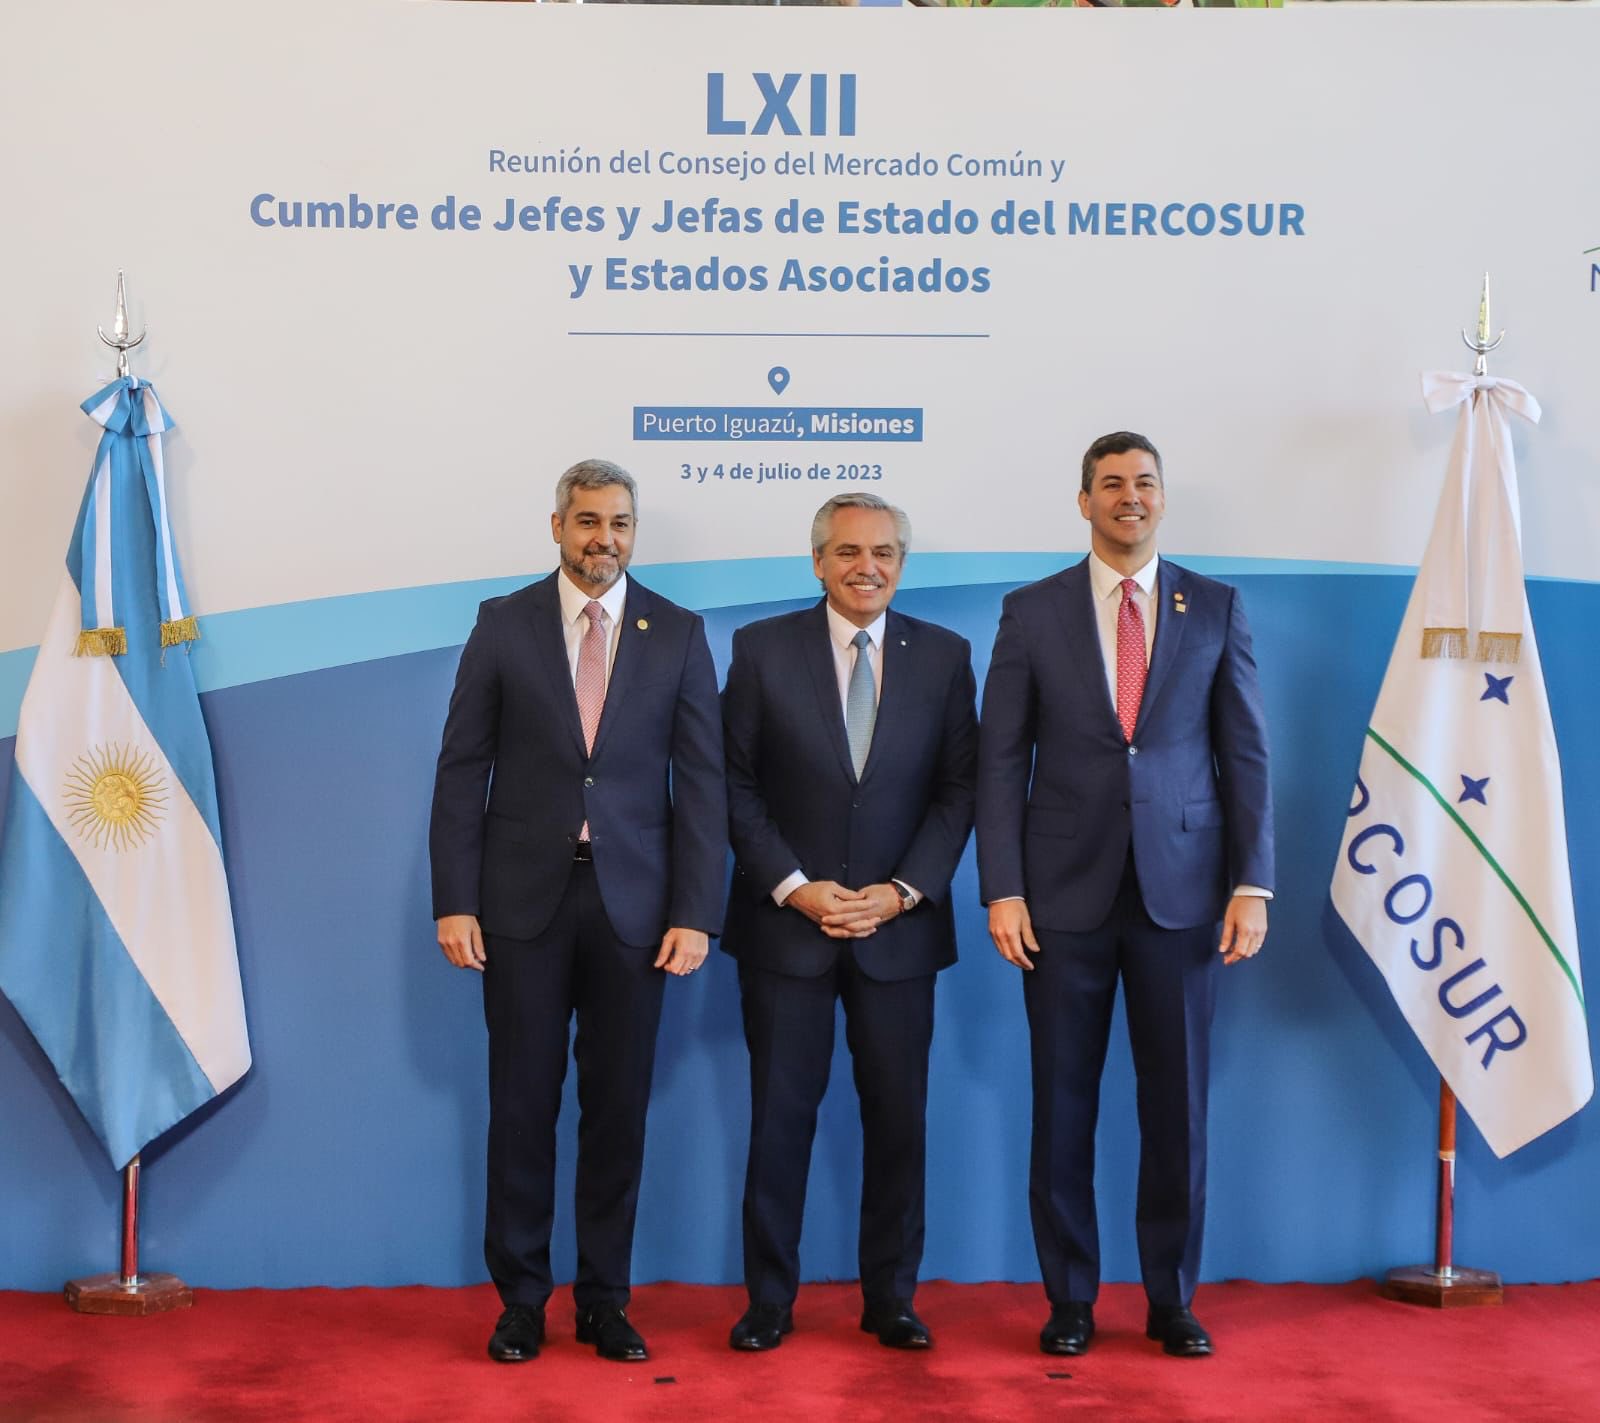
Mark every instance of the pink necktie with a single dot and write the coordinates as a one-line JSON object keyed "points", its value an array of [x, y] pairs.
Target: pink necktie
{"points": [[590, 684], [1131, 668]]}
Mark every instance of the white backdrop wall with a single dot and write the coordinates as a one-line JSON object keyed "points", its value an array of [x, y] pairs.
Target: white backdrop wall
{"points": [[370, 420]]}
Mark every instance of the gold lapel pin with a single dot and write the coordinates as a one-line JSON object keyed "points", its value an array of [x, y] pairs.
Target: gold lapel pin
{"points": [[1178, 605], [643, 624]]}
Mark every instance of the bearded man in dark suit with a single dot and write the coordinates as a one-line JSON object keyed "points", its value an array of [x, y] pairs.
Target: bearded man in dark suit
{"points": [[578, 843]]}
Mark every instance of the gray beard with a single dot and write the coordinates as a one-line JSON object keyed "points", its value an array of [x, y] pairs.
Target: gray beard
{"points": [[592, 571]]}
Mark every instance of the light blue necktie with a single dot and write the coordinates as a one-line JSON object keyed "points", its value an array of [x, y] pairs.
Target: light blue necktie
{"points": [[860, 703]]}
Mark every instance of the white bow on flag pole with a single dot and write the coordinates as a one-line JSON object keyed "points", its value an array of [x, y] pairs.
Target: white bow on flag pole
{"points": [[1453, 869]]}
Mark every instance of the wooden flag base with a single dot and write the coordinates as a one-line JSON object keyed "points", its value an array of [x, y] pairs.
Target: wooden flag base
{"points": [[126, 1291], [1443, 1285], [1422, 1284], [144, 1294]]}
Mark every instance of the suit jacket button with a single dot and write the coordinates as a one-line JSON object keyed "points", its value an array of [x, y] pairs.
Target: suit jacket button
{"points": [[588, 780], [855, 805], [1132, 751]]}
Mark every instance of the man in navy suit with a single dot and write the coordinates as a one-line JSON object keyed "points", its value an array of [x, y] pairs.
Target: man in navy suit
{"points": [[851, 740], [1123, 811], [578, 848]]}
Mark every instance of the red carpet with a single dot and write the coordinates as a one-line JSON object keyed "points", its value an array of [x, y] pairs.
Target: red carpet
{"points": [[1283, 1352]]}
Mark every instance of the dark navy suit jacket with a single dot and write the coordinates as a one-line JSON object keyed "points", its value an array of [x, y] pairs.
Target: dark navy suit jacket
{"points": [[1061, 795], [794, 801], [652, 791]]}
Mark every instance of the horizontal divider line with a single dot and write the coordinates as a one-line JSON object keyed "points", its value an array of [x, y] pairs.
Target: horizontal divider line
{"points": [[808, 335]]}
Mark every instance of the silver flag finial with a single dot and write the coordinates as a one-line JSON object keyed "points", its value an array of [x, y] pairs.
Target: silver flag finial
{"points": [[120, 340], [1482, 345]]}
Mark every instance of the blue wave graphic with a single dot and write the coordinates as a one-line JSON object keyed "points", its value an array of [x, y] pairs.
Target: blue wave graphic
{"points": [[281, 640]]}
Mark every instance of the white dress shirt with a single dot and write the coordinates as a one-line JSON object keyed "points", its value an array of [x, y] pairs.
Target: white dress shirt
{"points": [[1107, 585], [841, 634], [574, 625]]}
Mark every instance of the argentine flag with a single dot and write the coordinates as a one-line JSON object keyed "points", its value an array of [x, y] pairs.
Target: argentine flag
{"points": [[116, 933], [1453, 871]]}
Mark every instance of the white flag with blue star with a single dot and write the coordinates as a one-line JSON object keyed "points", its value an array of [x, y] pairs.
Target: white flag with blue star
{"points": [[116, 932], [1453, 872]]}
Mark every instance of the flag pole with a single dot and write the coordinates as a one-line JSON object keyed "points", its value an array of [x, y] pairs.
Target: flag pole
{"points": [[127, 1291], [1446, 1285]]}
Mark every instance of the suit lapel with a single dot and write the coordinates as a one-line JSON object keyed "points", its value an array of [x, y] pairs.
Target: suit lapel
{"points": [[1075, 607], [1170, 623], [545, 619], [899, 668], [817, 653], [633, 647]]}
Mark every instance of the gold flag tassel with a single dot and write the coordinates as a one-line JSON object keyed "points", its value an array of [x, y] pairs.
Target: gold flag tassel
{"points": [[1444, 642], [101, 642], [179, 631], [1499, 646]]}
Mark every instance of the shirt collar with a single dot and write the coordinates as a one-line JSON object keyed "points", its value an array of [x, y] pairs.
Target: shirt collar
{"points": [[1105, 580], [843, 631], [574, 600]]}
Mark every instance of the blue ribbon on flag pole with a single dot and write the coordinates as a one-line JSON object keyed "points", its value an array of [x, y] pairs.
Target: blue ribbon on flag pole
{"points": [[128, 466]]}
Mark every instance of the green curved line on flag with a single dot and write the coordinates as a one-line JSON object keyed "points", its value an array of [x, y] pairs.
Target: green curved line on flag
{"points": [[1493, 864]]}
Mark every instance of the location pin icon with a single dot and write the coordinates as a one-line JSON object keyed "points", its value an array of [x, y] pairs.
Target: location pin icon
{"points": [[778, 379]]}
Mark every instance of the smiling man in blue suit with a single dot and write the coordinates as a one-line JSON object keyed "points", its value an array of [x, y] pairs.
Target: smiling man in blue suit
{"points": [[579, 849], [1124, 830], [851, 739]]}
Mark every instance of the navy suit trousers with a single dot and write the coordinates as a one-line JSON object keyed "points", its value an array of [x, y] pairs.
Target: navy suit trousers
{"points": [[788, 1024], [1169, 990], [531, 988]]}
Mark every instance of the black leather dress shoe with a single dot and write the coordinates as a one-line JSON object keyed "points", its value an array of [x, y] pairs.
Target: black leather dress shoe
{"points": [[896, 1325], [761, 1327], [1069, 1329], [1180, 1333], [518, 1336], [607, 1328]]}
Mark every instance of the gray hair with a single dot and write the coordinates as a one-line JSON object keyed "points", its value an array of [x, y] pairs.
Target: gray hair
{"points": [[594, 474], [822, 525]]}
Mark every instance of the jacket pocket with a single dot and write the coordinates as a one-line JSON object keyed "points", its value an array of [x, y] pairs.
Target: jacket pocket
{"points": [[1047, 820], [497, 826], [655, 839]]}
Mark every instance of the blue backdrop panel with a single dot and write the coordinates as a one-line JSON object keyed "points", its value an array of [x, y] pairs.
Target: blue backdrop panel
{"points": [[353, 1152]]}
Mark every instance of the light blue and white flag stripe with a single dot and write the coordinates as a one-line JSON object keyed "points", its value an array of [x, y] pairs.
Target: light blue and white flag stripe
{"points": [[127, 407], [116, 931]]}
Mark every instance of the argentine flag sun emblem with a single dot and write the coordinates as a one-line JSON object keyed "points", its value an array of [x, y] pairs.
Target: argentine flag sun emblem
{"points": [[115, 796]]}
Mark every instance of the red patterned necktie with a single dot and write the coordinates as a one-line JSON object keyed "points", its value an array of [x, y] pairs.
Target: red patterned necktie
{"points": [[590, 683], [1131, 668]]}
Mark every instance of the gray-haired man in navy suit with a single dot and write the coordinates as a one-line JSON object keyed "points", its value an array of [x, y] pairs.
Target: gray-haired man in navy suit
{"points": [[579, 846], [1124, 830], [851, 744]]}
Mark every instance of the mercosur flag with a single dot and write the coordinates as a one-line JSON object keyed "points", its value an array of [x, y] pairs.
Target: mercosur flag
{"points": [[1453, 872], [116, 933]]}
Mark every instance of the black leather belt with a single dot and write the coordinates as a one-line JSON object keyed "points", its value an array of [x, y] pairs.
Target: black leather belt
{"points": [[583, 851]]}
